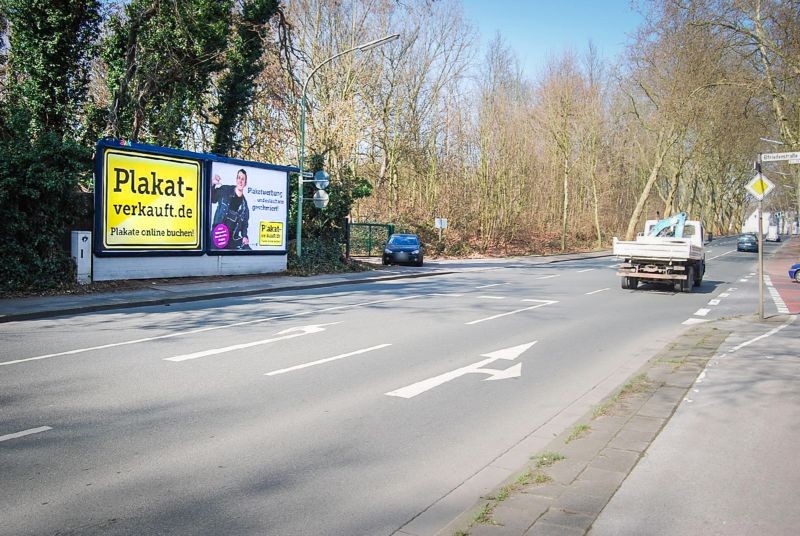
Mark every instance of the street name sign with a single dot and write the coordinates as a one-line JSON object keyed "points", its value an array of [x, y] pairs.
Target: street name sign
{"points": [[777, 157], [759, 186]]}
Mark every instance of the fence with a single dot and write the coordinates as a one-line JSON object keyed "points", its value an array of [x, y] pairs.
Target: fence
{"points": [[367, 239]]}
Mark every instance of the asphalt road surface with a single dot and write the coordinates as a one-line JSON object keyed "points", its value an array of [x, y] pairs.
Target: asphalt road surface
{"points": [[358, 410]]}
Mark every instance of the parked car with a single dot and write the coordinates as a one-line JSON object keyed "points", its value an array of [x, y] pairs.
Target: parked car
{"points": [[403, 249], [747, 242], [794, 272]]}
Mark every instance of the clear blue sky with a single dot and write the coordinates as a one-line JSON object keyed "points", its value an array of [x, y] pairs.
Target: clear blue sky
{"points": [[537, 29]]}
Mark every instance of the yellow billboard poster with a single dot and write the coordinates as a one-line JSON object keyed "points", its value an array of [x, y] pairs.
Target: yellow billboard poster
{"points": [[150, 201], [271, 233]]}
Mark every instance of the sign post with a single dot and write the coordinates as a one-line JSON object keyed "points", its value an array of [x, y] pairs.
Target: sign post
{"points": [[759, 186], [440, 223]]}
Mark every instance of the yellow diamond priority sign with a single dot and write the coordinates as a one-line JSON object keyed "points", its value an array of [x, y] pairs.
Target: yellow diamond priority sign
{"points": [[759, 186]]}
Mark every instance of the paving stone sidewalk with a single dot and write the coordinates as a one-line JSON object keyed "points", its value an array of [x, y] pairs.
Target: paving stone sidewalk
{"points": [[594, 457]]}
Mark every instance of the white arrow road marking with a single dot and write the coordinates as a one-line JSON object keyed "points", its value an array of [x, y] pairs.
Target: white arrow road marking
{"points": [[24, 433], [326, 360], [286, 334], [540, 303], [515, 371]]}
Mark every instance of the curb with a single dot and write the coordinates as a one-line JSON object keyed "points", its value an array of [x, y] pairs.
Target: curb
{"points": [[574, 490]]}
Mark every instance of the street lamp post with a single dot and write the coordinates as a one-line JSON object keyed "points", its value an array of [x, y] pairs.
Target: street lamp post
{"points": [[300, 179]]}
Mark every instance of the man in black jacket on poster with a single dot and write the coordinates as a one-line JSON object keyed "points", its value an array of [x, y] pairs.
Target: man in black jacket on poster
{"points": [[232, 210]]}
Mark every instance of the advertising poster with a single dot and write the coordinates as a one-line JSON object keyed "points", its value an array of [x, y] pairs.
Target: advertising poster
{"points": [[150, 202], [248, 208]]}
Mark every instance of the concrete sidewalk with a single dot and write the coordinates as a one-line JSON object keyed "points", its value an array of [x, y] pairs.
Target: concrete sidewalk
{"points": [[726, 461]]}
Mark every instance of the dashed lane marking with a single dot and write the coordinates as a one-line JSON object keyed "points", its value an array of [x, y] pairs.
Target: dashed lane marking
{"points": [[326, 360], [210, 328], [691, 321], [539, 303], [24, 433], [597, 291]]}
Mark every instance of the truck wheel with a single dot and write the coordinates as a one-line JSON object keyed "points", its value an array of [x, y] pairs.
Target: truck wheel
{"points": [[633, 283], [689, 283], [700, 272], [624, 282]]}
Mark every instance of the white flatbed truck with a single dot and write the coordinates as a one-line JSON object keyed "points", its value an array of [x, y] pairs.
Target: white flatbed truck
{"points": [[669, 251]]}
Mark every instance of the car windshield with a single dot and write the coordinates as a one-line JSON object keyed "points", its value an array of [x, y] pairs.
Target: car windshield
{"points": [[402, 240]]}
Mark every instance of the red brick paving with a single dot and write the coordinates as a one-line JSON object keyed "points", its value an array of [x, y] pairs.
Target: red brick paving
{"points": [[777, 268]]}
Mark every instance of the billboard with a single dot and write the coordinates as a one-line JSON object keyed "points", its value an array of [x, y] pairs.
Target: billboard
{"points": [[150, 201], [248, 208]]}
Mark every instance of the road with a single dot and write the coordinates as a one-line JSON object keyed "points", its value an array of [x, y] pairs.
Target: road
{"points": [[368, 409]]}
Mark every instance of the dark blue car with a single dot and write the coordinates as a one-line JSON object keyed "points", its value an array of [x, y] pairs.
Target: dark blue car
{"points": [[403, 249]]}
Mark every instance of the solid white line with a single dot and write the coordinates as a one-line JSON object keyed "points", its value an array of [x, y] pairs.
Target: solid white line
{"points": [[202, 330], [492, 297], [25, 433], [326, 360], [444, 294], [768, 334], [702, 312], [541, 303], [547, 276], [492, 285], [596, 291], [586, 270]]}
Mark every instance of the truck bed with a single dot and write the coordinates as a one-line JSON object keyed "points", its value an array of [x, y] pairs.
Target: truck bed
{"points": [[657, 248]]}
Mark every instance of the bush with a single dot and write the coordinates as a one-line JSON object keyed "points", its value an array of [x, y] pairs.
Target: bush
{"points": [[39, 194], [321, 256]]}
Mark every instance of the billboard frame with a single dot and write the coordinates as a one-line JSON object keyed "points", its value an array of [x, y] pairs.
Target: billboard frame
{"points": [[205, 160]]}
